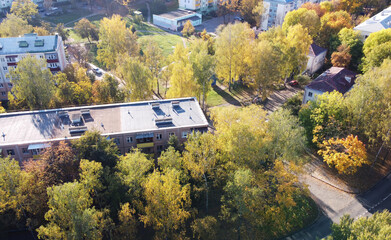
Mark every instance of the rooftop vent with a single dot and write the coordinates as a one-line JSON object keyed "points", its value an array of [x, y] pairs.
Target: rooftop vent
{"points": [[76, 119], [175, 103], [85, 112], [348, 79], [62, 114], [39, 43], [77, 130], [23, 44], [163, 121], [155, 105]]}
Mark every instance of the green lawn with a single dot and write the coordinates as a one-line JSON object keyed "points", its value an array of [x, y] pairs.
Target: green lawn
{"points": [[93, 19], [167, 42], [214, 99], [71, 15]]}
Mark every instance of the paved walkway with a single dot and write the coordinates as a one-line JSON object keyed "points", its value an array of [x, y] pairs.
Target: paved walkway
{"points": [[278, 98]]}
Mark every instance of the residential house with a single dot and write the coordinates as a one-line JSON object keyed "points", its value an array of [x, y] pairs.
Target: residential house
{"points": [[376, 23], [145, 125], [334, 79], [176, 19], [316, 58], [199, 5], [12, 50]]}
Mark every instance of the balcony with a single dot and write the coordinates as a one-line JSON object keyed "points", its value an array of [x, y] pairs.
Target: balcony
{"points": [[52, 60]]}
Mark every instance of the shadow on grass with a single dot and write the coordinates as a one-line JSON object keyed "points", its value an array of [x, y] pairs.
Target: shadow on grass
{"points": [[227, 97]]}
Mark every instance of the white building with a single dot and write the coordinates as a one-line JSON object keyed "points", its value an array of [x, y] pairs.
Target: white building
{"points": [[198, 5], [6, 4], [316, 58], [276, 10], [376, 23], [176, 19], [12, 50]]}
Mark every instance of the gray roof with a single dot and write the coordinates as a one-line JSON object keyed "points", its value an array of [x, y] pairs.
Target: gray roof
{"points": [[376, 23], [109, 119], [13, 45], [177, 14], [315, 50]]}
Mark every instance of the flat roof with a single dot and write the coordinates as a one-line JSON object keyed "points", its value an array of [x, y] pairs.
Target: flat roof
{"points": [[177, 14], [376, 23], [29, 43], [109, 119]]}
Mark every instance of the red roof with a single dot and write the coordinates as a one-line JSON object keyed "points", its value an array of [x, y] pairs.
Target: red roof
{"points": [[335, 78]]}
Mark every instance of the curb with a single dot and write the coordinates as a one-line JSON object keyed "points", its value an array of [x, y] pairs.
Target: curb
{"points": [[337, 187]]}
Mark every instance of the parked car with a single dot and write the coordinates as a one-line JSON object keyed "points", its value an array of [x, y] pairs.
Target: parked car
{"points": [[238, 19], [97, 71], [293, 83]]}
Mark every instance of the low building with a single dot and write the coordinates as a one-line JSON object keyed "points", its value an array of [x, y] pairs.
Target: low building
{"points": [[199, 5], [316, 58], [145, 125], [12, 50], [334, 79], [176, 19], [376, 23]]}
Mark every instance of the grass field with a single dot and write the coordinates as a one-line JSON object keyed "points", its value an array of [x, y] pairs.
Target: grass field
{"points": [[167, 42], [70, 16]]}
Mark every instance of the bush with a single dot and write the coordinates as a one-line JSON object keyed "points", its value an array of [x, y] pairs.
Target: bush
{"points": [[303, 79], [294, 103]]}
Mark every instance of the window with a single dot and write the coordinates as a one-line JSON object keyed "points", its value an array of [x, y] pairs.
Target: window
{"points": [[309, 94], [160, 148], [184, 134], [159, 136], [5, 68], [10, 152], [171, 134], [2, 59], [3, 93], [1, 85], [25, 151], [9, 84], [129, 139], [116, 141]]}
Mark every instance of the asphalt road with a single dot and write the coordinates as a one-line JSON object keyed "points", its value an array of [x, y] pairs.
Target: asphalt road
{"points": [[376, 199]]}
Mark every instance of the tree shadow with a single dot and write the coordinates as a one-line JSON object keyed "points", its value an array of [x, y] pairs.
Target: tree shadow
{"points": [[227, 97], [45, 123]]}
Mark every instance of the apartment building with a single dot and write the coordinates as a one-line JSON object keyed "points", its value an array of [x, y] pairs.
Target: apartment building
{"points": [[12, 50], [376, 23], [199, 5], [145, 125], [276, 10]]}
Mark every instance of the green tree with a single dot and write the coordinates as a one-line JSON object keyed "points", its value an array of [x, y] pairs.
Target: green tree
{"points": [[14, 26], [231, 44], [170, 159], [307, 18], [251, 11], [62, 31], [154, 60], [205, 228], [137, 79], [127, 229], [331, 24], [115, 39], [352, 39], [94, 147], [33, 82], [107, 90], [85, 29], [24, 9], [167, 204], [10, 181], [188, 29], [377, 47], [132, 170]]}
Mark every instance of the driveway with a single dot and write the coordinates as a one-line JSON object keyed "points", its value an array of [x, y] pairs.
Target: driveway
{"points": [[334, 204], [212, 24]]}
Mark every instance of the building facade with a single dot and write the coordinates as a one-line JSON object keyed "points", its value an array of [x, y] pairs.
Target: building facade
{"points": [[334, 79], [316, 58], [12, 50], [176, 19], [199, 5], [376, 23], [144, 125], [276, 10]]}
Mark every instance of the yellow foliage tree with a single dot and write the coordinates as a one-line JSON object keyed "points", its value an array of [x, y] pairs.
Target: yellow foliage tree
{"points": [[345, 154], [188, 29]]}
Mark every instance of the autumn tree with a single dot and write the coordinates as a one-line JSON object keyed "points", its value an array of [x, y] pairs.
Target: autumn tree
{"points": [[137, 78], [62, 31], [331, 24], [85, 29], [377, 47], [203, 67], [115, 39], [251, 11], [307, 18], [182, 79], [154, 60], [188, 29], [127, 228], [314, 6], [342, 57], [33, 82], [351, 6], [352, 39], [231, 44], [167, 204], [346, 154], [24, 9], [14, 26]]}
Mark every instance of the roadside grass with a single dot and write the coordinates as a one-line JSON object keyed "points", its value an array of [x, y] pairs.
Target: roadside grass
{"points": [[71, 15]]}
